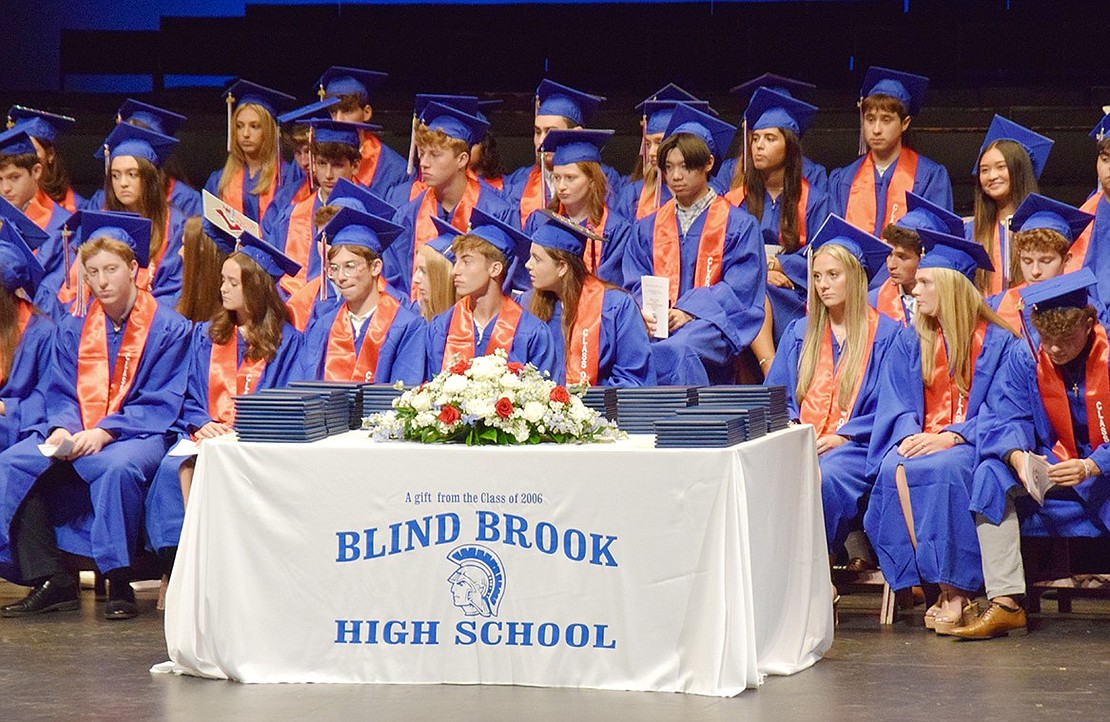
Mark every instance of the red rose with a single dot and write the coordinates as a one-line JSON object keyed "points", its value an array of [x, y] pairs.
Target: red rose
{"points": [[515, 367], [449, 414], [460, 368], [560, 395], [504, 407]]}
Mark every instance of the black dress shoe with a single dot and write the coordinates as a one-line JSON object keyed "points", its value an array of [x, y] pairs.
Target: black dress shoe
{"points": [[46, 597], [120, 609]]}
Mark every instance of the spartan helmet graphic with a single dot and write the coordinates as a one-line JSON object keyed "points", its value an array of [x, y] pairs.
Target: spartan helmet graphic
{"points": [[478, 582]]}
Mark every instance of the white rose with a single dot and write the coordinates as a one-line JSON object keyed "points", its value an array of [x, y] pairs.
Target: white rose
{"points": [[510, 381], [454, 385], [421, 402], [533, 412]]}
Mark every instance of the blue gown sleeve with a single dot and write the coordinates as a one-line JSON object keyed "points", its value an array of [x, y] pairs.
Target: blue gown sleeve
{"points": [[1007, 421], [784, 369], [932, 182], [405, 348], [24, 403], [625, 348]]}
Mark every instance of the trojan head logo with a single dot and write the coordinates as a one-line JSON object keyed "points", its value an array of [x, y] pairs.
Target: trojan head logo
{"points": [[478, 582]]}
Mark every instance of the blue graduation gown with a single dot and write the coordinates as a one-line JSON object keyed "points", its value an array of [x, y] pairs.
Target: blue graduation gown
{"points": [[1016, 419], [931, 181], [182, 196], [846, 479], [397, 260], [532, 342], [1098, 250], [165, 506], [390, 172], [624, 349], [99, 498], [618, 231], [939, 483], [815, 173], [250, 201], [728, 314], [401, 357], [22, 394]]}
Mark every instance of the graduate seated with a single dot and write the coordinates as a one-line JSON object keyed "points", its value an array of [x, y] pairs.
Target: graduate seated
{"points": [[296, 137], [414, 184], [1045, 434], [1011, 160], [894, 297], [444, 138], [45, 128], [21, 174], [485, 319], [710, 251], [1043, 233], [830, 362], [871, 191], [580, 192], [372, 336], [112, 394], [433, 275], [599, 335], [247, 346], [251, 176], [939, 375]]}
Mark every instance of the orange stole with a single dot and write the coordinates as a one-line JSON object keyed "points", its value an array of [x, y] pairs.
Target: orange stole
{"points": [[498, 182], [1079, 248], [417, 187], [889, 302], [304, 190], [593, 252], [460, 216], [584, 349], [1008, 308], [736, 197], [99, 393], [861, 211], [666, 256], [40, 208], [233, 194], [371, 151], [945, 404], [341, 363], [645, 206], [228, 378], [460, 336], [69, 201], [1050, 382], [532, 198], [301, 301], [821, 405], [298, 242]]}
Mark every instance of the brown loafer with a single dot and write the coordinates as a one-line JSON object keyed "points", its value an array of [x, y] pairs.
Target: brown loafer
{"points": [[856, 565], [997, 621]]}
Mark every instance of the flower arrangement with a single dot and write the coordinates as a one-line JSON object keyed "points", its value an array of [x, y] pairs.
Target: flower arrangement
{"points": [[491, 400]]}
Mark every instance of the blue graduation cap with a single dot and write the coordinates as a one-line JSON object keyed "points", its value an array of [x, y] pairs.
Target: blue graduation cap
{"points": [[348, 194], [441, 244], [562, 234], [1068, 290], [771, 109], [864, 247], [906, 87], [338, 80], [40, 124], [157, 119], [338, 131], [575, 146], [1038, 211], [454, 123], [129, 228], [223, 240], [943, 250], [556, 99], [19, 267], [244, 91], [658, 113], [1036, 145], [466, 103], [354, 228], [28, 230], [778, 83], [306, 112], [136, 141], [16, 141], [1101, 130], [485, 106], [716, 133], [510, 240], [923, 213], [272, 261]]}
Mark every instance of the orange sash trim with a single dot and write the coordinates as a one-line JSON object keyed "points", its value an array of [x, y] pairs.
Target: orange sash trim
{"points": [[228, 378], [301, 301], [1050, 382], [303, 191], [1079, 248], [821, 405], [371, 151], [593, 252], [417, 187], [298, 242], [40, 208], [667, 257], [889, 303], [944, 403], [460, 336], [460, 216], [584, 350], [736, 197], [498, 182], [233, 194], [1008, 308], [532, 199], [341, 363], [69, 200], [861, 211], [645, 206], [98, 393]]}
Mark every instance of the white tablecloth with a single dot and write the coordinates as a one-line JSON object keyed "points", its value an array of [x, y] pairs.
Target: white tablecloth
{"points": [[614, 566]]}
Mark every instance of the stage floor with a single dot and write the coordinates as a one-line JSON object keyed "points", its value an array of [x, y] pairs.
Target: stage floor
{"points": [[53, 666]]}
